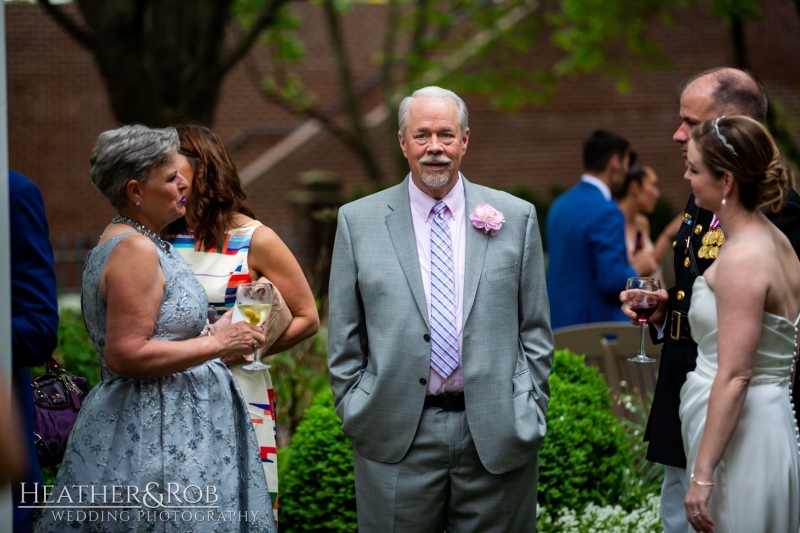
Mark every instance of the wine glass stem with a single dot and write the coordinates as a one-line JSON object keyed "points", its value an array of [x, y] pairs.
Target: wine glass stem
{"points": [[641, 338]]}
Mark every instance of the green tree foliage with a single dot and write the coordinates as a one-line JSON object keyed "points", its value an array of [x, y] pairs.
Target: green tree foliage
{"points": [[477, 46]]}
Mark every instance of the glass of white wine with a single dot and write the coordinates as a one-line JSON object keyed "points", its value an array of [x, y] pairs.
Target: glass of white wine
{"points": [[254, 301]]}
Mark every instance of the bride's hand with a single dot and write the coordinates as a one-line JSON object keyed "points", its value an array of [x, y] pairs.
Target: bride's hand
{"points": [[696, 503]]}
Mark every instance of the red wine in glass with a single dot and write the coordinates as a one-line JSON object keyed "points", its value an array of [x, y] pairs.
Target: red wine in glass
{"points": [[644, 312], [642, 298]]}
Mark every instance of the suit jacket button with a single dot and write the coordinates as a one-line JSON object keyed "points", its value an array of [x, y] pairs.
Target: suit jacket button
{"points": [[423, 381], [426, 338]]}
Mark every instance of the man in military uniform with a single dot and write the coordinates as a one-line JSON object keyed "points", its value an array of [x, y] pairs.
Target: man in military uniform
{"points": [[712, 93]]}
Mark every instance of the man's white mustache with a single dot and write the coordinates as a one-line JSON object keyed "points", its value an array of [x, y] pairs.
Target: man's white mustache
{"points": [[436, 161]]}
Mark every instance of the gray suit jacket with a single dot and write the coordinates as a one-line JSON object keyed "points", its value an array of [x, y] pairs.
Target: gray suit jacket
{"points": [[378, 345]]}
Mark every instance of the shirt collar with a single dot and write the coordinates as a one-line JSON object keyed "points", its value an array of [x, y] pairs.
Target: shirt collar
{"points": [[422, 204], [599, 184]]}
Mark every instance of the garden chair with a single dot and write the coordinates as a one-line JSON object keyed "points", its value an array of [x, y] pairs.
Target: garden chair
{"points": [[607, 346]]}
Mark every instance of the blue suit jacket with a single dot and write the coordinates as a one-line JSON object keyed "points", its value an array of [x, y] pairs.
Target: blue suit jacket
{"points": [[588, 264], [34, 310]]}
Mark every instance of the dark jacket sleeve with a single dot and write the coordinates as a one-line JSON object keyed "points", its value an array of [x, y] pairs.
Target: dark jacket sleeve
{"points": [[34, 305]]}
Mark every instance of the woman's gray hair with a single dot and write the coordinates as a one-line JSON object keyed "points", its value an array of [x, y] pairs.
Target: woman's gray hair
{"points": [[432, 92], [129, 153]]}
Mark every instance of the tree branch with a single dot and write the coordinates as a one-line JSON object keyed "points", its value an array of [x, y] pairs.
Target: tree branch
{"points": [[346, 83], [344, 135], [265, 19], [76, 32]]}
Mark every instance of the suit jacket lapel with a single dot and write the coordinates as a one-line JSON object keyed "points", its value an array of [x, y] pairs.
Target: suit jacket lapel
{"points": [[401, 232], [476, 244]]}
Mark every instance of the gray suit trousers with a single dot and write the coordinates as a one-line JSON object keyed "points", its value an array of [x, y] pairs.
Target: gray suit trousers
{"points": [[442, 485]]}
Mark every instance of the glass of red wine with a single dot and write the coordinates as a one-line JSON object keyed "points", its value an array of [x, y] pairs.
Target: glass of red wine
{"points": [[643, 300]]}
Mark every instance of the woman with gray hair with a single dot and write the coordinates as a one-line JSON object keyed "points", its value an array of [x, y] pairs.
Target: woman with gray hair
{"points": [[163, 442]]}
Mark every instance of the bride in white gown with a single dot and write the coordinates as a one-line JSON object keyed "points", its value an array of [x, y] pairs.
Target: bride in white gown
{"points": [[738, 424]]}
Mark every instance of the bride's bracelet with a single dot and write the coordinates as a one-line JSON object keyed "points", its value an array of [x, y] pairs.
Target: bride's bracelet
{"points": [[702, 484]]}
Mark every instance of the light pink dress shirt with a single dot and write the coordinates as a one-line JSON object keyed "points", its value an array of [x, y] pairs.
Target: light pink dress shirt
{"points": [[456, 217]]}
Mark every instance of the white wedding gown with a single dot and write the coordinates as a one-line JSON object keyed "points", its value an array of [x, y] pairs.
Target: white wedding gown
{"points": [[757, 484]]}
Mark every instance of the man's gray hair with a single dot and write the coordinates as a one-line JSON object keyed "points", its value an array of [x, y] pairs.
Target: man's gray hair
{"points": [[129, 153], [432, 92]]}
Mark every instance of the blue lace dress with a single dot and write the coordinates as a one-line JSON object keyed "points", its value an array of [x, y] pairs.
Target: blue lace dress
{"points": [[174, 453]]}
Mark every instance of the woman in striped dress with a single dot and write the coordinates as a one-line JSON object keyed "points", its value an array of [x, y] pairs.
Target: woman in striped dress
{"points": [[225, 246]]}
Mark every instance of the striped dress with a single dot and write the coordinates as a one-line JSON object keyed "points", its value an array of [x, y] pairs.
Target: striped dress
{"points": [[220, 270]]}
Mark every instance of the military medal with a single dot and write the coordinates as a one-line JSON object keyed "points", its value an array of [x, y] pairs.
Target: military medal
{"points": [[712, 240]]}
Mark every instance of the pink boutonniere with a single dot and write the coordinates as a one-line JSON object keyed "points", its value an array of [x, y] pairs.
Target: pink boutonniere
{"points": [[487, 218]]}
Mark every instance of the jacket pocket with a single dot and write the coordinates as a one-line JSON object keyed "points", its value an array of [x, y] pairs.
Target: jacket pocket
{"points": [[523, 384], [366, 382], [502, 272]]}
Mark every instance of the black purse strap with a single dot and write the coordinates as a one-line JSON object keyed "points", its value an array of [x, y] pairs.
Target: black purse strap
{"points": [[54, 368]]}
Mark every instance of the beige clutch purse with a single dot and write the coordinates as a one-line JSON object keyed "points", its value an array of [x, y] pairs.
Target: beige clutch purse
{"points": [[279, 316]]}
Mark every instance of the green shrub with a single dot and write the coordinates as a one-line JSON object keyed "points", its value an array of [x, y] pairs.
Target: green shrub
{"points": [[317, 483], [74, 352], [585, 457]]}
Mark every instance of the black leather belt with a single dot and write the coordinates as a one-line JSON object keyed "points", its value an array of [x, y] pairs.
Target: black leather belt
{"points": [[679, 329], [448, 401]]}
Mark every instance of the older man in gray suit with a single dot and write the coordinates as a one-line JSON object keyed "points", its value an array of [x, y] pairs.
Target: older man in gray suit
{"points": [[439, 340]]}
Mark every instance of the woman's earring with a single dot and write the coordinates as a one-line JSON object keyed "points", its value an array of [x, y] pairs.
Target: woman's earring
{"points": [[139, 202]]}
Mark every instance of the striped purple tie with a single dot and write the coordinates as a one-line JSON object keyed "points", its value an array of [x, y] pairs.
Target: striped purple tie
{"points": [[444, 344]]}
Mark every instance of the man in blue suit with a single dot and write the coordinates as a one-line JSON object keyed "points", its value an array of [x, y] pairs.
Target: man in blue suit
{"points": [[34, 314], [588, 263]]}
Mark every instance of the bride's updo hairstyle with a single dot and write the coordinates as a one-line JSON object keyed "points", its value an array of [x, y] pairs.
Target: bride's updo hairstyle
{"points": [[744, 147]]}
